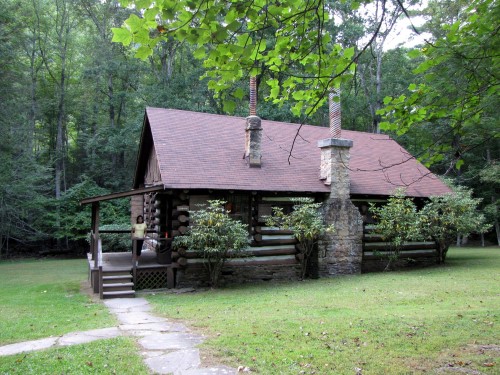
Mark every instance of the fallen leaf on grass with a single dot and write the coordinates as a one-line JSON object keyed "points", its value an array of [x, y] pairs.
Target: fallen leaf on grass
{"points": [[489, 364]]}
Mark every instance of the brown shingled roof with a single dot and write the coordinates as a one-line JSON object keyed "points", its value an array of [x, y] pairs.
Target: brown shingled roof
{"points": [[205, 151]]}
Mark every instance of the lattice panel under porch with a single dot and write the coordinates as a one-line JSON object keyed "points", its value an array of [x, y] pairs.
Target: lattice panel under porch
{"points": [[151, 279]]}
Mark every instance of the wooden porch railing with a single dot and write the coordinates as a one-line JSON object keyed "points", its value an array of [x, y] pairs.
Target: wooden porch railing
{"points": [[134, 267], [99, 265]]}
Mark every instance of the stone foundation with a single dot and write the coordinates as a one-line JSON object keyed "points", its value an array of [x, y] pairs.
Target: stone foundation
{"points": [[197, 276]]}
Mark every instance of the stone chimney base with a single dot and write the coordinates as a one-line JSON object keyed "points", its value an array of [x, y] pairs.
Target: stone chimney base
{"points": [[341, 252]]}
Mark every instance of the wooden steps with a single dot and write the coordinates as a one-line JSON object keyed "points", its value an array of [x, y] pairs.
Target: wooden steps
{"points": [[117, 284]]}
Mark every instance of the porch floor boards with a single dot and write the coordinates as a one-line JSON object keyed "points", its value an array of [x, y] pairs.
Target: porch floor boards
{"points": [[123, 261]]}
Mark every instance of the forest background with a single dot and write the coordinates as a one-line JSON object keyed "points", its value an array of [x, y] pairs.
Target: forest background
{"points": [[72, 103]]}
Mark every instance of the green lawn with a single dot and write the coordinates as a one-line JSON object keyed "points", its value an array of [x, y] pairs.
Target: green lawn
{"points": [[41, 298], [113, 356], [410, 322]]}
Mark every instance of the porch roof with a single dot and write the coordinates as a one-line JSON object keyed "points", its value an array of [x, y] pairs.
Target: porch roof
{"points": [[122, 194]]}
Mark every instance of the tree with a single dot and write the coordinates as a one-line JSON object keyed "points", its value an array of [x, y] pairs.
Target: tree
{"points": [[215, 236], [291, 40], [75, 219], [370, 68], [397, 223], [306, 223], [445, 216], [490, 176], [459, 94]]}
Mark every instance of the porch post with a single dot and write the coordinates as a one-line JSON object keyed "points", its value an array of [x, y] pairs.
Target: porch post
{"points": [[134, 267], [95, 240], [95, 231]]}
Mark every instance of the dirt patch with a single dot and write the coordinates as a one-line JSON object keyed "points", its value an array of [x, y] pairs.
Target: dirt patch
{"points": [[473, 359], [86, 289]]}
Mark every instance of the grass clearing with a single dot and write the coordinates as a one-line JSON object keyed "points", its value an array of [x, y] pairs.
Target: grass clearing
{"points": [[112, 356], [41, 298], [407, 322]]}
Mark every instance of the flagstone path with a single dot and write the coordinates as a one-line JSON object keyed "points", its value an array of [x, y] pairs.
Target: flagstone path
{"points": [[167, 347]]}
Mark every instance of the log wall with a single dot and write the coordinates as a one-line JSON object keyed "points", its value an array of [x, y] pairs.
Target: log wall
{"points": [[271, 255], [412, 254]]}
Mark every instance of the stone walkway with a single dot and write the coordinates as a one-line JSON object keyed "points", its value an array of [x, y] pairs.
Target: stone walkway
{"points": [[167, 347]]}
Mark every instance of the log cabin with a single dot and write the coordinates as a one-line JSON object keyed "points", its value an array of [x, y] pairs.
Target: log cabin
{"points": [[187, 158]]}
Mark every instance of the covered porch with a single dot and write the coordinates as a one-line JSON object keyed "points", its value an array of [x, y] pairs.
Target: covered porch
{"points": [[113, 274]]}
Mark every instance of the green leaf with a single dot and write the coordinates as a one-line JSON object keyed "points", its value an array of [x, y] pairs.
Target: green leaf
{"points": [[142, 4], [151, 14], [414, 53], [239, 93], [143, 52], [121, 35], [229, 106], [199, 53], [349, 52], [134, 22]]}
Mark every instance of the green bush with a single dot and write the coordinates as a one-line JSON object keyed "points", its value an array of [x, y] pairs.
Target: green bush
{"points": [[306, 223]]}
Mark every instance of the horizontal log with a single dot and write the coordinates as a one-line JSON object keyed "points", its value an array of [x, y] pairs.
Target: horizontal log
{"points": [[290, 241], [270, 231], [369, 228], [259, 237], [182, 229], [372, 237], [272, 251], [268, 261], [182, 262], [405, 247], [182, 251], [121, 231], [183, 218], [250, 261], [405, 255], [251, 251]]}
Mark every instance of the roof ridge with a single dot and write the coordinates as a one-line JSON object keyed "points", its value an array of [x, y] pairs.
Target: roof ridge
{"points": [[264, 120]]}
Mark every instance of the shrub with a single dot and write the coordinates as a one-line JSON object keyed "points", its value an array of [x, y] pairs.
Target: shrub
{"points": [[397, 223], [447, 215], [306, 223]]}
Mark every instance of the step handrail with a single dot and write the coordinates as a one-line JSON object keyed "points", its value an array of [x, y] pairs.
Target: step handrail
{"points": [[99, 265]]}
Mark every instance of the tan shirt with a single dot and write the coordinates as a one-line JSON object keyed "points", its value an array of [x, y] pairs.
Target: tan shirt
{"points": [[139, 230]]}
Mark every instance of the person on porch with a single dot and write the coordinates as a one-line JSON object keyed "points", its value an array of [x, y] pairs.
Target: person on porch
{"points": [[138, 232]]}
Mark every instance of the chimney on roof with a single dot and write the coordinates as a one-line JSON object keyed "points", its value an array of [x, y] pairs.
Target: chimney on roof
{"points": [[334, 167], [335, 113], [253, 96], [253, 130]]}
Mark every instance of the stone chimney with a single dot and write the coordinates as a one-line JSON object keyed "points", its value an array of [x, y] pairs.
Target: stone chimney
{"points": [[253, 130], [339, 252]]}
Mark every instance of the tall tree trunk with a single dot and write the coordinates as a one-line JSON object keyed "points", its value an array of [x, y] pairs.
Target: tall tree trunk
{"points": [[496, 224], [33, 99]]}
